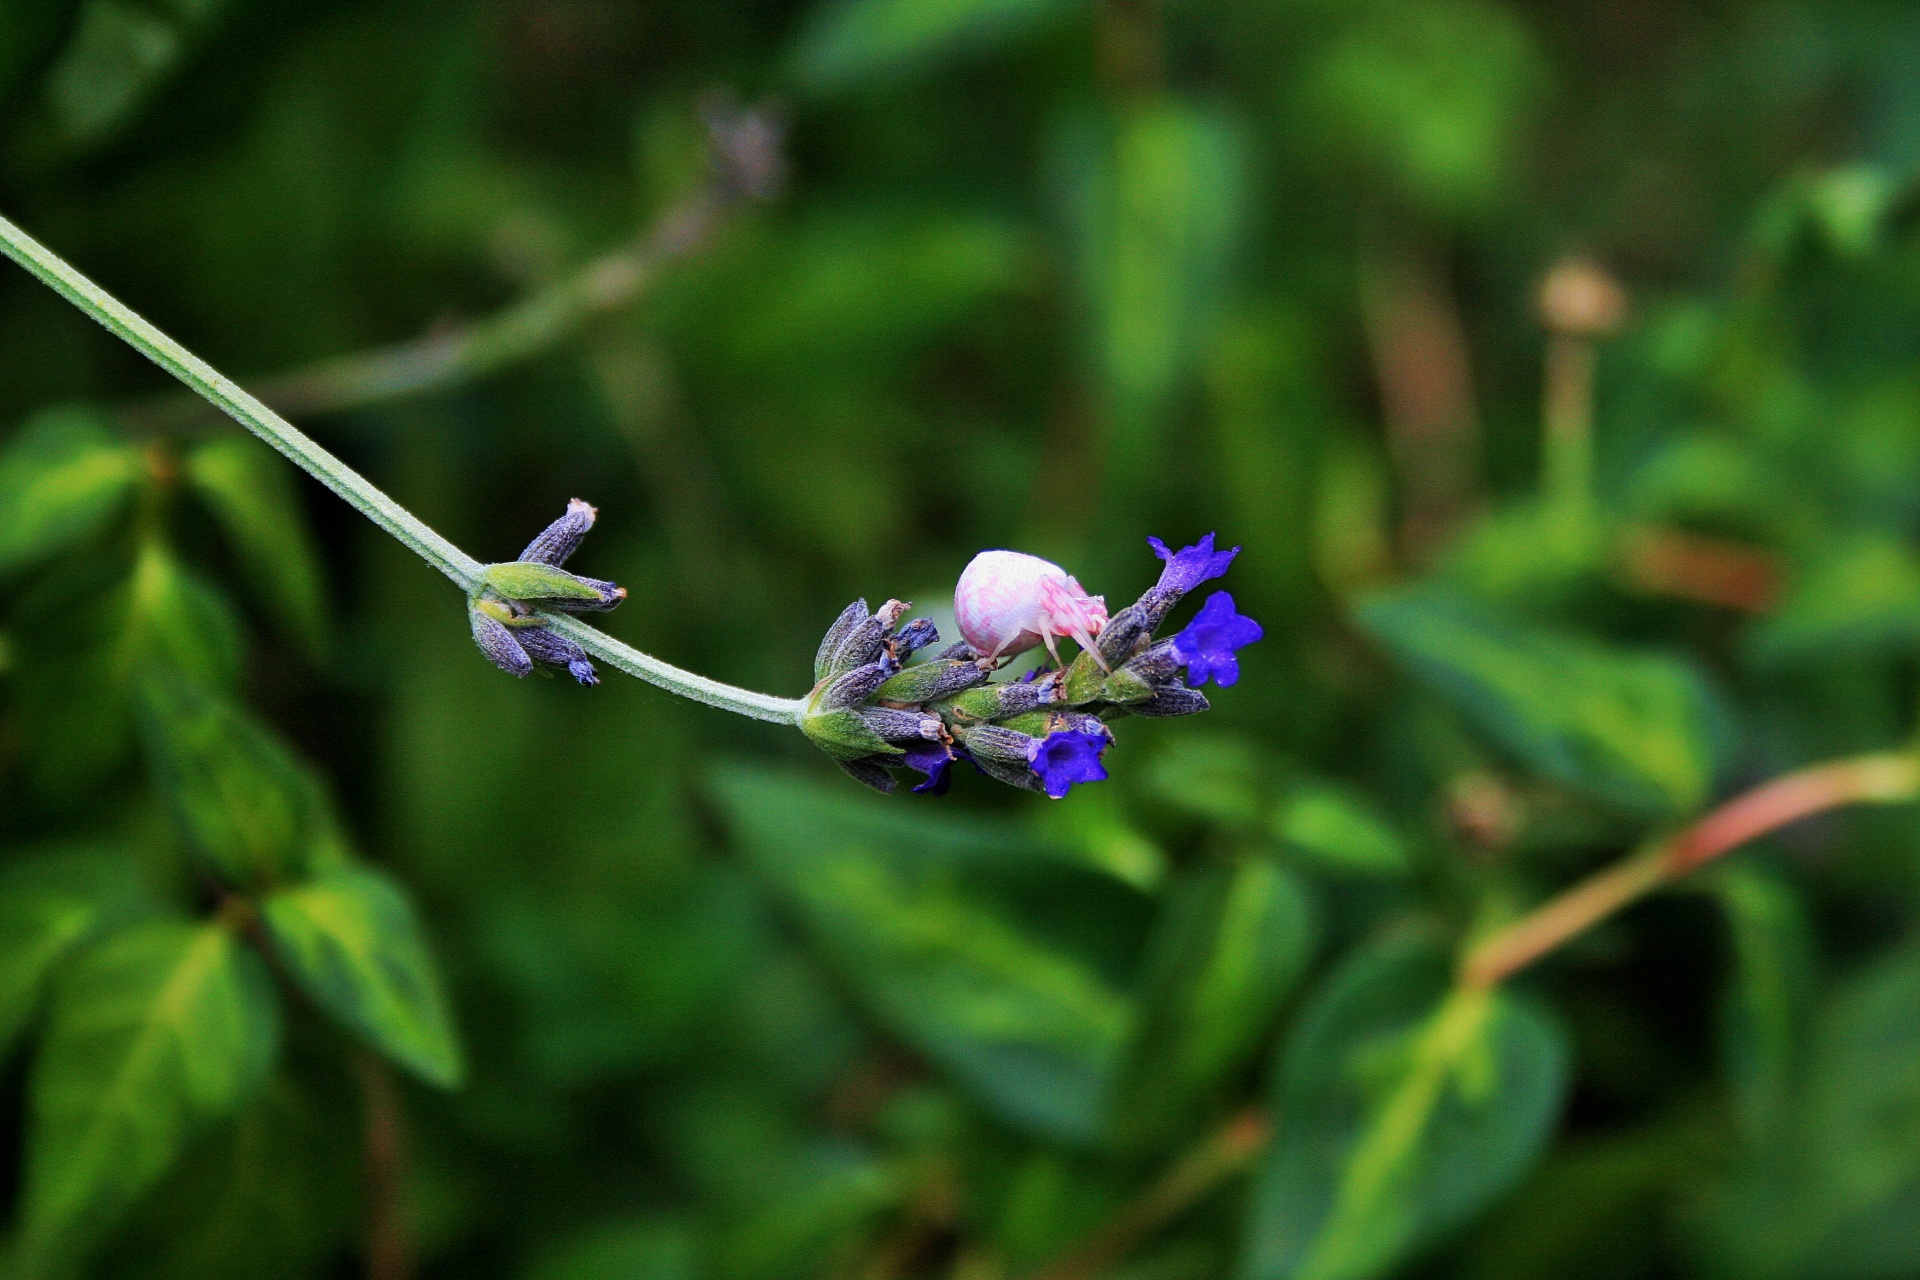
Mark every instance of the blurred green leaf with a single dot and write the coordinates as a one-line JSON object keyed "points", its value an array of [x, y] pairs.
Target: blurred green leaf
{"points": [[1635, 729], [1153, 198], [247, 487], [119, 52], [1230, 944], [645, 1250], [1434, 92], [251, 811], [1214, 776], [273, 1193], [1091, 827], [1766, 1002], [848, 43], [1528, 556], [1339, 832], [62, 477], [350, 938], [50, 903], [801, 1231], [1861, 598], [1831, 1189], [29, 31], [1031, 1030], [155, 1030], [1402, 1108], [83, 644]]}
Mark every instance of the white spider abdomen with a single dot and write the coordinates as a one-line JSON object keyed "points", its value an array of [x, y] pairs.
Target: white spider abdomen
{"points": [[1007, 602]]}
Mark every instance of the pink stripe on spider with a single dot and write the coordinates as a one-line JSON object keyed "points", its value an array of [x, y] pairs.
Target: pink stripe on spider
{"points": [[1007, 602]]}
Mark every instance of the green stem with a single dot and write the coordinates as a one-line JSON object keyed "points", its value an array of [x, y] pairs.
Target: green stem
{"points": [[642, 666], [304, 453]]}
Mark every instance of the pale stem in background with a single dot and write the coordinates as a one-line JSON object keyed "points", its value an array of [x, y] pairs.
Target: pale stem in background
{"points": [[1580, 305]]}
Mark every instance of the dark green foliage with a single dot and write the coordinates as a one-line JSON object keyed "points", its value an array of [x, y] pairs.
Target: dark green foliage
{"points": [[1401, 1110], [627, 987]]}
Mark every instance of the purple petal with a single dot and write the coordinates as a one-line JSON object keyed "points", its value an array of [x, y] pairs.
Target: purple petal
{"points": [[1068, 756], [933, 759], [1188, 567], [1207, 646]]}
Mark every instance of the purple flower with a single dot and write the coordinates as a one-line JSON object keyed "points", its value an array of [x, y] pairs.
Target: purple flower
{"points": [[933, 759], [1188, 567], [1206, 646], [1067, 756]]}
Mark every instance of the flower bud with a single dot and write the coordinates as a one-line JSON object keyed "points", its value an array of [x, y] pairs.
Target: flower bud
{"points": [[901, 726], [1124, 686], [999, 701], [853, 688], [497, 641], [913, 637], [855, 639], [844, 735], [869, 773], [1171, 700], [823, 661], [930, 681], [1579, 298], [561, 538], [1123, 633], [556, 650], [991, 742]]}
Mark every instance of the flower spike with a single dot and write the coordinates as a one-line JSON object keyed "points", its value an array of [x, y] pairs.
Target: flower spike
{"points": [[878, 713]]}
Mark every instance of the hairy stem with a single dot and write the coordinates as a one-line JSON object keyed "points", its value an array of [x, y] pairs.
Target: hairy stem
{"points": [[1886, 778], [306, 454]]}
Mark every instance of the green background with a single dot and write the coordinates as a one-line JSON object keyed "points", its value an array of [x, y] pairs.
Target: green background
{"points": [[327, 949]]}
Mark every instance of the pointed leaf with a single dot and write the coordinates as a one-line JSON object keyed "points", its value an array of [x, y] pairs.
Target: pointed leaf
{"points": [[61, 478], [248, 809], [1862, 598], [352, 941], [1635, 729], [1031, 1029], [155, 1030], [1230, 944], [1765, 1006], [247, 487], [1402, 1108], [50, 903], [1339, 832]]}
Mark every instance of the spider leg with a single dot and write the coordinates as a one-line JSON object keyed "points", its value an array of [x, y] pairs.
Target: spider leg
{"points": [[1053, 648]]}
